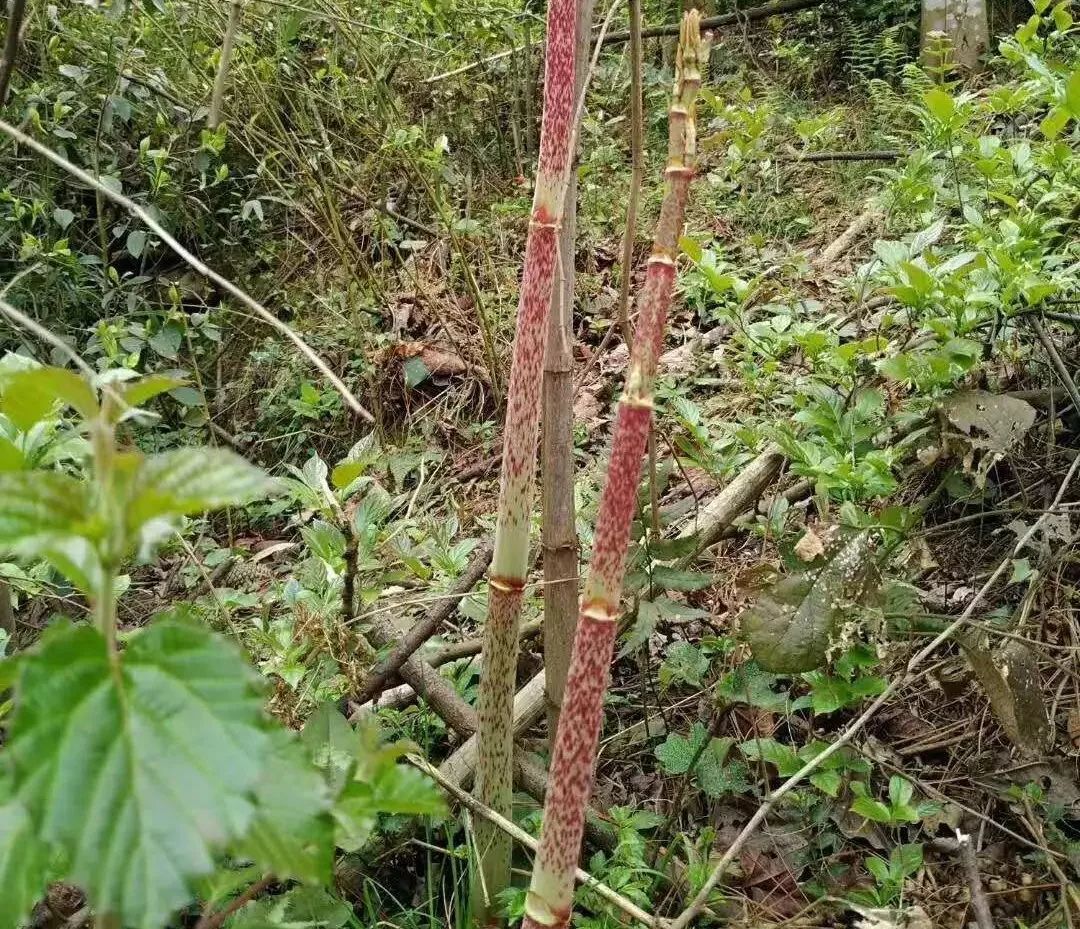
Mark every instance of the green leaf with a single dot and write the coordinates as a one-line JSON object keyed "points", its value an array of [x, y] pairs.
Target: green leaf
{"points": [[783, 757], [691, 248], [648, 614], [1054, 122], [11, 458], [136, 393], [139, 768], [940, 103], [63, 218], [331, 743], [871, 809], [29, 396], [1021, 571], [676, 752], [906, 859], [684, 663], [389, 788], [1072, 93], [34, 504], [416, 372], [790, 627], [900, 791], [166, 341], [24, 860], [192, 480], [136, 242], [667, 578], [292, 835], [828, 782]]}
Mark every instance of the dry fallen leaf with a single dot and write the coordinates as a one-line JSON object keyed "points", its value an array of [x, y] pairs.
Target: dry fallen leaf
{"points": [[810, 546]]}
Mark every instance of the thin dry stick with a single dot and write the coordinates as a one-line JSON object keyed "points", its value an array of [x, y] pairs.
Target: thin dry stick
{"points": [[637, 170], [224, 283], [217, 97], [613, 897], [696, 905], [215, 920], [979, 903], [1055, 360], [424, 629]]}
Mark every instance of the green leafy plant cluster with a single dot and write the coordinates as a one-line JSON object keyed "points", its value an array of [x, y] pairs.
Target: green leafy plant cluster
{"points": [[138, 762]]}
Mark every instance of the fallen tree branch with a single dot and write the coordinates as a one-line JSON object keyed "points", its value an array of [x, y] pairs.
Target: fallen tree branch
{"points": [[778, 8], [615, 38], [425, 628], [814, 157], [696, 906]]}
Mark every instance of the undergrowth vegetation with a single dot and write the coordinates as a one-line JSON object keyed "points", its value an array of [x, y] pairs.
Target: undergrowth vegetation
{"points": [[850, 602]]}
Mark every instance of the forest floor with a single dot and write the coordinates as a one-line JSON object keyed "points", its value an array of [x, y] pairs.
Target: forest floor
{"points": [[849, 364]]}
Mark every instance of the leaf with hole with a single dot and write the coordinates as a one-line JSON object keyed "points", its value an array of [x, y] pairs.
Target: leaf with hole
{"points": [[140, 768]]}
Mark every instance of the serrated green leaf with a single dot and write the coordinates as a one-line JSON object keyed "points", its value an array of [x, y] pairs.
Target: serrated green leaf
{"points": [[331, 743], [29, 396], [139, 768], [667, 578], [790, 627], [393, 788], [40, 503], [192, 480], [676, 752], [24, 860], [292, 834], [648, 614], [828, 782]]}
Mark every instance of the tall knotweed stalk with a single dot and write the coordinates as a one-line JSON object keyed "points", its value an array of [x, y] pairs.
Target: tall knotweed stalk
{"points": [[551, 892], [494, 780]]}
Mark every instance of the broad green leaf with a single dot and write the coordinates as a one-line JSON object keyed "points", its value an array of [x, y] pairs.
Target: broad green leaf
{"points": [[1072, 93], [24, 860], [828, 782], [136, 242], [684, 663], [292, 835], [790, 627], [389, 788], [29, 396], [331, 743], [783, 757], [40, 503], [940, 103], [11, 458], [676, 752], [871, 809], [139, 768], [146, 388], [192, 480]]}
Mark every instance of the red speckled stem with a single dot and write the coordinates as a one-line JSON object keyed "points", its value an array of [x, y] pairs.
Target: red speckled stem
{"points": [[551, 892], [494, 779]]}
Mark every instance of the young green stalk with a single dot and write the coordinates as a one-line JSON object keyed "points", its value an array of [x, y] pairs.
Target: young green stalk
{"points": [[551, 892], [494, 781]]}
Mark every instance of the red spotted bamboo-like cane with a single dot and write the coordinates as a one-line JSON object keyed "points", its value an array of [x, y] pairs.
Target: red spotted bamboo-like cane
{"points": [[494, 779], [551, 892]]}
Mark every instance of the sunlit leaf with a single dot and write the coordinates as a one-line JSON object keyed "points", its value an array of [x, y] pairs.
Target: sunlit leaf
{"points": [[193, 480], [29, 396], [140, 768]]}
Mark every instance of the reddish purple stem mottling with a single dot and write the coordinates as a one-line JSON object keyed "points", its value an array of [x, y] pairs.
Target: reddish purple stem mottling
{"points": [[520, 438], [551, 892]]}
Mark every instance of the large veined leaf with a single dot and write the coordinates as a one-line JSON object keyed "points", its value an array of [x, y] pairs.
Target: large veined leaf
{"points": [[192, 480], [36, 503], [292, 834], [30, 395], [43, 514], [23, 865], [140, 768], [791, 626]]}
